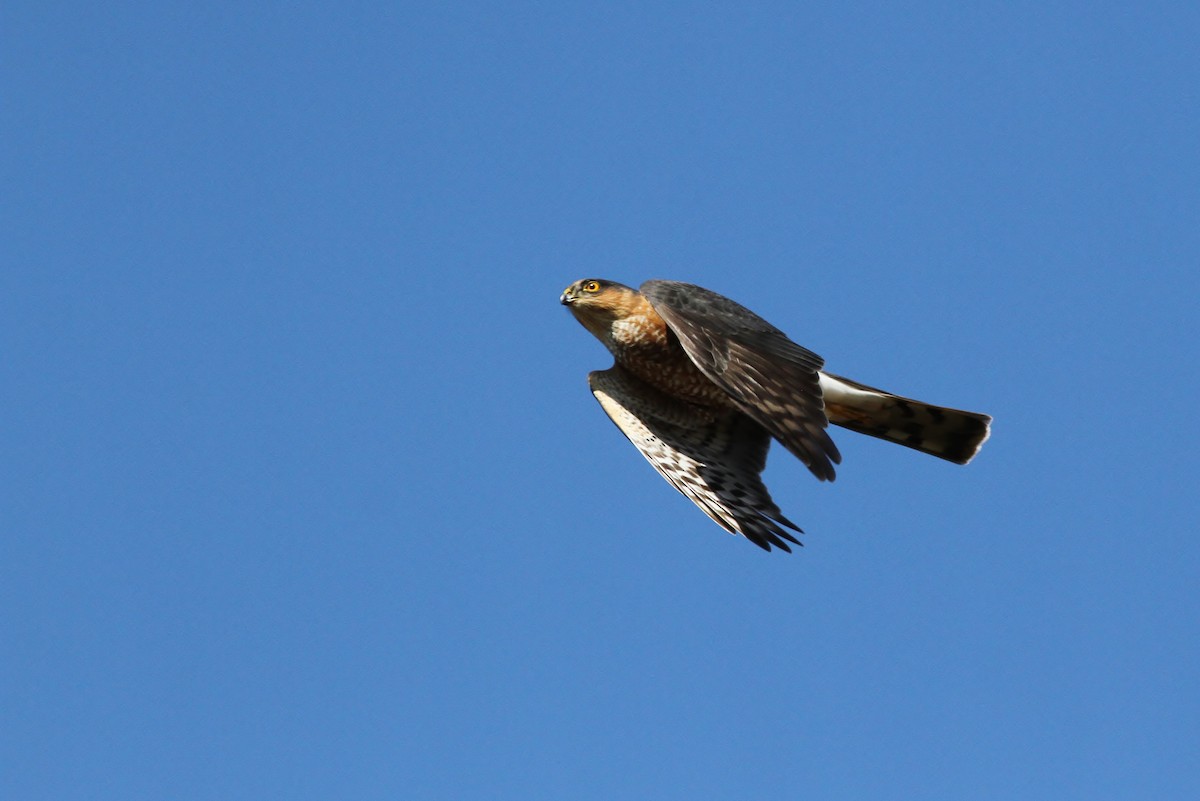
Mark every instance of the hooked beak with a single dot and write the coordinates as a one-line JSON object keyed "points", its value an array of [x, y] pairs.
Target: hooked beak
{"points": [[567, 297]]}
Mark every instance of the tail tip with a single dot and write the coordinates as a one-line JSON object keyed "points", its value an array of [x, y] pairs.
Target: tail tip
{"points": [[973, 440]]}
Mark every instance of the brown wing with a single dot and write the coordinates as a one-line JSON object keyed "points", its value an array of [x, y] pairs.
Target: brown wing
{"points": [[714, 460], [769, 377]]}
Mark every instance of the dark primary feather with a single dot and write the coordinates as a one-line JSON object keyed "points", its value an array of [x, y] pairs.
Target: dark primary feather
{"points": [[770, 378]]}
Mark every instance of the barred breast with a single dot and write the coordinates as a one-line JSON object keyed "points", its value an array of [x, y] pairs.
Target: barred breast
{"points": [[643, 344]]}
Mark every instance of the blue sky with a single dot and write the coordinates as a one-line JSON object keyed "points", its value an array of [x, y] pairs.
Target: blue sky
{"points": [[305, 496]]}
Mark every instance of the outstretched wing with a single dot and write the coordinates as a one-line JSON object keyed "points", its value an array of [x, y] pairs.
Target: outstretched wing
{"points": [[769, 377], [713, 459]]}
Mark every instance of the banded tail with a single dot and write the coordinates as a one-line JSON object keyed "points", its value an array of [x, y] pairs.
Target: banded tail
{"points": [[949, 434]]}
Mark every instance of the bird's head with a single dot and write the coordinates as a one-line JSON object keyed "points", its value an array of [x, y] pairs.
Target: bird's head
{"points": [[597, 303], [596, 293]]}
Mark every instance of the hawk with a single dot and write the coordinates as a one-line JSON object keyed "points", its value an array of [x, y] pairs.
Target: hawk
{"points": [[701, 385]]}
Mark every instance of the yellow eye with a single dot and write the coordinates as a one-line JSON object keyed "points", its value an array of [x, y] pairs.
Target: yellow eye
{"points": [[591, 286]]}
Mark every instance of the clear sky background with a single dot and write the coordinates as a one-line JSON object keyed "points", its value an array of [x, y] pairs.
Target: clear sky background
{"points": [[304, 495]]}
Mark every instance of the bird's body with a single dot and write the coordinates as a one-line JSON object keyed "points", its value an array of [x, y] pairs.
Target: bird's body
{"points": [[642, 343], [701, 385]]}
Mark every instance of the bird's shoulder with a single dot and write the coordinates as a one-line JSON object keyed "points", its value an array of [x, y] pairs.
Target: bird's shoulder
{"points": [[676, 300]]}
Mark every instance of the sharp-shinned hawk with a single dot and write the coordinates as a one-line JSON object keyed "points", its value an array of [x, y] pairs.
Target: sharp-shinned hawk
{"points": [[701, 385]]}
